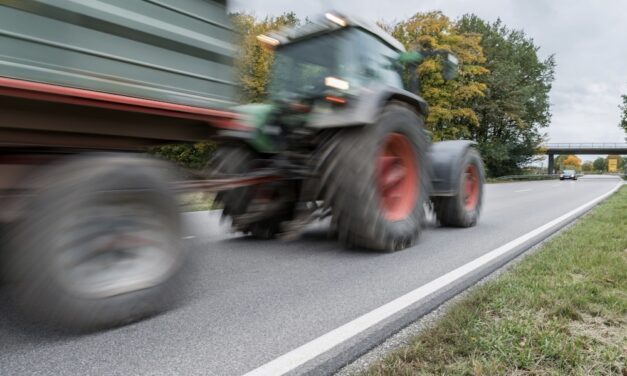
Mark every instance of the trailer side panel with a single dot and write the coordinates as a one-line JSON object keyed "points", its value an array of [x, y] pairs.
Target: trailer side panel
{"points": [[175, 51]]}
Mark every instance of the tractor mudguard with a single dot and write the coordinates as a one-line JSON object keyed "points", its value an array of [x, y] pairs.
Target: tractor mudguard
{"points": [[365, 108], [255, 116], [446, 163]]}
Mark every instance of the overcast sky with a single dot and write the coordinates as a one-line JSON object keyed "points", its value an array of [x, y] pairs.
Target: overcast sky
{"points": [[588, 38]]}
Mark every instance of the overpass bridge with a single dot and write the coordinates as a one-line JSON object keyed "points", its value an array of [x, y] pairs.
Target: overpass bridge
{"points": [[581, 148]]}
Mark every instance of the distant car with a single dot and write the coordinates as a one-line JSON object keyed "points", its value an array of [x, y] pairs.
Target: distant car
{"points": [[568, 174]]}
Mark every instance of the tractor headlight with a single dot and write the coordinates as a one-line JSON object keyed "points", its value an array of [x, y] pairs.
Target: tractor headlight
{"points": [[337, 83], [336, 19]]}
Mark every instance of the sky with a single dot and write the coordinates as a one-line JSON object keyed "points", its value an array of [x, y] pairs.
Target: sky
{"points": [[587, 37]]}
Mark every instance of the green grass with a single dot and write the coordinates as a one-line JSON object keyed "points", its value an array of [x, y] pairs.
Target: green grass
{"points": [[196, 201], [560, 311]]}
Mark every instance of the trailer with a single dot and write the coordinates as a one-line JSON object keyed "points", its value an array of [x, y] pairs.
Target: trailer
{"points": [[91, 228]]}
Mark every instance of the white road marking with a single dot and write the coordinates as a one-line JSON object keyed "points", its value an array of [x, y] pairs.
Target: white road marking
{"points": [[523, 190], [309, 351], [189, 237]]}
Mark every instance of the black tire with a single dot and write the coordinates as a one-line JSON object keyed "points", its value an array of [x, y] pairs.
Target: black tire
{"points": [[236, 160], [99, 244], [233, 160], [349, 183], [453, 211]]}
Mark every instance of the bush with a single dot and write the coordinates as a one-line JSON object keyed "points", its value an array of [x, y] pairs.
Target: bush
{"points": [[192, 156]]}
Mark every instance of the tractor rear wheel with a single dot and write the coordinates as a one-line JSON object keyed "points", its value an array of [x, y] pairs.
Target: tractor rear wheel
{"points": [[462, 209], [375, 180]]}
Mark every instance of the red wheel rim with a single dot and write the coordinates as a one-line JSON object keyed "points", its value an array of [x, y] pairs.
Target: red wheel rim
{"points": [[397, 177], [471, 187]]}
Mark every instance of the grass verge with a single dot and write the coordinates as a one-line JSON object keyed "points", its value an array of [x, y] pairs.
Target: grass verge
{"points": [[196, 202], [562, 310]]}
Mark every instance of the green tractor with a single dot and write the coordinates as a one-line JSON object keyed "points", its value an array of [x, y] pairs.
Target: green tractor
{"points": [[343, 133]]}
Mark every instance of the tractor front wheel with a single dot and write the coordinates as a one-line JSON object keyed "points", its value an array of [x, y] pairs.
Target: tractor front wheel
{"points": [[463, 208], [255, 210]]}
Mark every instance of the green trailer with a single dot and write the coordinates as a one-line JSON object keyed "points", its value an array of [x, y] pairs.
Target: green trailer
{"points": [[91, 227]]}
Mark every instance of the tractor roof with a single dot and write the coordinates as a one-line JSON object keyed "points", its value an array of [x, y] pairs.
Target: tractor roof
{"points": [[330, 22]]}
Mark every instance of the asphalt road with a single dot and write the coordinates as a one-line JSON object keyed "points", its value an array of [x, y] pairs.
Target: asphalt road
{"points": [[247, 302]]}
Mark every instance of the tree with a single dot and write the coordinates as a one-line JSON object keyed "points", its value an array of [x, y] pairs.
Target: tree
{"points": [[587, 166], [194, 156], [572, 162], [254, 61], [599, 164], [451, 114], [516, 105], [623, 117], [559, 161]]}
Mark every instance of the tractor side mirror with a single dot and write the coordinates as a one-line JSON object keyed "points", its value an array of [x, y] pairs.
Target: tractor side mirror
{"points": [[410, 57], [451, 66]]}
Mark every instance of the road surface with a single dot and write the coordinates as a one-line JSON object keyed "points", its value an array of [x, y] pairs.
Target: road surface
{"points": [[245, 303]]}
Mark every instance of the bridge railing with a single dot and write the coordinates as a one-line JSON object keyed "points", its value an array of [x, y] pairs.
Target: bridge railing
{"points": [[583, 145]]}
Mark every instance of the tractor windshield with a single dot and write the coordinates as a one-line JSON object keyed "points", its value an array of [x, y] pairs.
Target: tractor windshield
{"points": [[300, 68]]}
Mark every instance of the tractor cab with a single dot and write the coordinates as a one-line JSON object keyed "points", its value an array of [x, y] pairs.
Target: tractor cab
{"points": [[337, 57], [333, 64], [325, 63]]}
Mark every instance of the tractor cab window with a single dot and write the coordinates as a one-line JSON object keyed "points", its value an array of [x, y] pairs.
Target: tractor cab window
{"points": [[300, 68], [377, 61]]}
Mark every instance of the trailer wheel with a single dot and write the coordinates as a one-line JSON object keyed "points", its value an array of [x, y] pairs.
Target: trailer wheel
{"points": [[236, 203], [99, 244], [375, 179], [463, 208]]}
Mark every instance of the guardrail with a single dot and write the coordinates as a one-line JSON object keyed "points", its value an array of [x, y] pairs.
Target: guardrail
{"points": [[552, 176], [575, 145], [529, 177]]}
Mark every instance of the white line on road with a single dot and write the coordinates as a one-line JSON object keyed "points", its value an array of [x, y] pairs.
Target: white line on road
{"points": [[309, 351], [523, 190], [189, 237]]}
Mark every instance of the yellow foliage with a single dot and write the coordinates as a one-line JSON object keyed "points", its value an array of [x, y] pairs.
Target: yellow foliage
{"points": [[255, 62], [451, 114], [573, 161]]}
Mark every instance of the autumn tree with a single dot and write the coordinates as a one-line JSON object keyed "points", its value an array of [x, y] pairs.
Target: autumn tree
{"points": [[572, 162], [587, 166], [451, 102], [515, 106], [254, 62]]}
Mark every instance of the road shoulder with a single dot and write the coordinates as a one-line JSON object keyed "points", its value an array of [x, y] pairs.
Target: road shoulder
{"points": [[561, 310]]}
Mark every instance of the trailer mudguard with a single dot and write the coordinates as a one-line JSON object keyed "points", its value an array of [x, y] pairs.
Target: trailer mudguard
{"points": [[446, 163], [365, 108]]}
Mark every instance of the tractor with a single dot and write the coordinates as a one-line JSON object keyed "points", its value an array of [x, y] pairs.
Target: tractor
{"points": [[343, 133]]}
